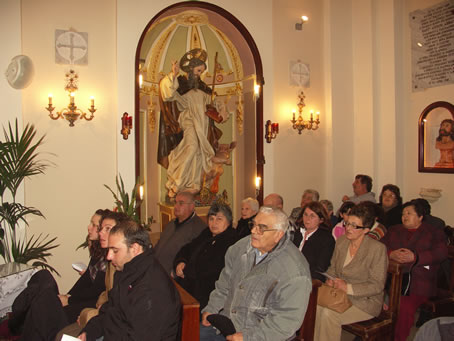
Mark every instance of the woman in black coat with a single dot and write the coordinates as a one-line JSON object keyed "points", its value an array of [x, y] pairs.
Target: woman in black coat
{"points": [[249, 209], [314, 238], [391, 202], [91, 283], [199, 263]]}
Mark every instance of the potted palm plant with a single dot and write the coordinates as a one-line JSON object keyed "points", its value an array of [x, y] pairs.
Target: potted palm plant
{"points": [[19, 159]]}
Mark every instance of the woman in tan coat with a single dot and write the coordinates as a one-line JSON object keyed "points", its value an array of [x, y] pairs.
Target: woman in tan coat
{"points": [[358, 267]]}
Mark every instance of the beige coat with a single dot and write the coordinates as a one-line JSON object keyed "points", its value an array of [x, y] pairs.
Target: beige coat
{"points": [[88, 313], [366, 272]]}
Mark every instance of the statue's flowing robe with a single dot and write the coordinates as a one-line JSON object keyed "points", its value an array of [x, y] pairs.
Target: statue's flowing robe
{"points": [[185, 134]]}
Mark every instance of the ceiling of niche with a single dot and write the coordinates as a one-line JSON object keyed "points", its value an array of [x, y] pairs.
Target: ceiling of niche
{"points": [[178, 30]]}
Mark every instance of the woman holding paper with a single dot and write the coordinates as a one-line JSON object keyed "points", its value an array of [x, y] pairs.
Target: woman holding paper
{"points": [[358, 267]]}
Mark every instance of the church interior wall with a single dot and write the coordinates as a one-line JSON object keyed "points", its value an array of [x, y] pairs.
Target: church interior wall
{"points": [[85, 156], [415, 102], [360, 59]]}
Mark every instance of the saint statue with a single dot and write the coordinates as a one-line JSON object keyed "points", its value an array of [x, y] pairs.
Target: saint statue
{"points": [[445, 143], [187, 133]]}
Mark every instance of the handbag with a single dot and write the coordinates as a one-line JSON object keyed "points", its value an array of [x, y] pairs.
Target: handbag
{"points": [[332, 298]]}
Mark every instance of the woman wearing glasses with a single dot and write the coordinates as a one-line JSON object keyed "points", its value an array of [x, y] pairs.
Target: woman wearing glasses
{"points": [[199, 263], [314, 238], [358, 267]]}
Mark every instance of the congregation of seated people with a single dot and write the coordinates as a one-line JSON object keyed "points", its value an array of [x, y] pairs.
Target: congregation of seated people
{"points": [[252, 277]]}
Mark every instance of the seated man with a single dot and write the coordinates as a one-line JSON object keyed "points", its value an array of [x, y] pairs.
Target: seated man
{"points": [[274, 200], [143, 304], [308, 196], [181, 231], [362, 187], [265, 285]]}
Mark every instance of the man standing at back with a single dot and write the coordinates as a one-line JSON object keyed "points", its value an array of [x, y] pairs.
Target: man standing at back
{"points": [[362, 187], [183, 229], [143, 303]]}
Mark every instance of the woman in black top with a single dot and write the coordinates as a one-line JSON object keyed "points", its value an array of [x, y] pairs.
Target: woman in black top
{"points": [[249, 209], [199, 263], [91, 283]]}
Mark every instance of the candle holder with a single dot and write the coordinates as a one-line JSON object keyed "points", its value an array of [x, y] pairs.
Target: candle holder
{"points": [[71, 113], [271, 131], [126, 125], [299, 123]]}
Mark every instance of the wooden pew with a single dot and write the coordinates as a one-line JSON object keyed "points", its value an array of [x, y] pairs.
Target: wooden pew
{"points": [[306, 332], [382, 327], [190, 328]]}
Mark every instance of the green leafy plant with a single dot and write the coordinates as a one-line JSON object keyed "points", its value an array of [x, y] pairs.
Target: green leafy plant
{"points": [[126, 203], [19, 159]]}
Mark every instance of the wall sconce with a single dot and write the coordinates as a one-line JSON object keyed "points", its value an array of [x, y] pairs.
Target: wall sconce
{"points": [[271, 130], [299, 25], [126, 125], [71, 113], [300, 124]]}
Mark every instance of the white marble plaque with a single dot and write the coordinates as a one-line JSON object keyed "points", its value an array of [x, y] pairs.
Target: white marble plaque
{"points": [[71, 47], [432, 46]]}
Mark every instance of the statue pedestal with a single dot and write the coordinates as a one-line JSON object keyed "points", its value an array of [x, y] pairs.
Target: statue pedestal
{"points": [[166, 214]]}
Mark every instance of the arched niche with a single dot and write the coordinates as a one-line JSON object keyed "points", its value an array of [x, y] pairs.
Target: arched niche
{"points": [[168, 35], [435, 151]]}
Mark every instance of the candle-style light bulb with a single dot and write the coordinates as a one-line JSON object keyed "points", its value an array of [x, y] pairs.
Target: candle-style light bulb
{"points": [[50, 99], [71, 98], [258, 179], [140, 81], [92, 99], [141, 192]]}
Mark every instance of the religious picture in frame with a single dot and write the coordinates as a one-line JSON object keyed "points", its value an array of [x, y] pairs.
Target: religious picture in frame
{"points": [[436, 138]]}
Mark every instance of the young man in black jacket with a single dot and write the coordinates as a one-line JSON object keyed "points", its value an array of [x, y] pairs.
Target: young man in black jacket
{"points": [[143, 303]]}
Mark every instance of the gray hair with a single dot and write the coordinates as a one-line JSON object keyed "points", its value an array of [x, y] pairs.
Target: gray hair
{"points": [[282, 221], [221, 208], [328, 205], [187, 195], [315, 195], [253, 203]]}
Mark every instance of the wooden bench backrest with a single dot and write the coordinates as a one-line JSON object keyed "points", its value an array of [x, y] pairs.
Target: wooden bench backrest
{"points": [[395, 290], [306, 332], [190, 327]]}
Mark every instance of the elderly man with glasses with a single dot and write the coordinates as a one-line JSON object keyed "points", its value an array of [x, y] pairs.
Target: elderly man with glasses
{"points": [[264, 287]]}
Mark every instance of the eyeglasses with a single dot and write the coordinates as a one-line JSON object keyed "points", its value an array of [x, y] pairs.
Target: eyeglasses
{"points": [[352, 225], [261, 228]]}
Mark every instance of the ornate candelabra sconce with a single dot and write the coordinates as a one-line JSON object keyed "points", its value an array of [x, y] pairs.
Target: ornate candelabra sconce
{"points": [[126, 125], [271, 131], [299, 123], [71, 113]]}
